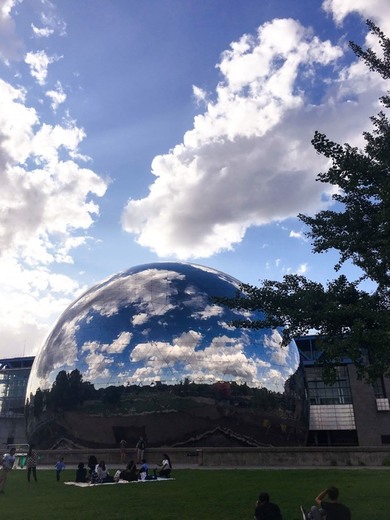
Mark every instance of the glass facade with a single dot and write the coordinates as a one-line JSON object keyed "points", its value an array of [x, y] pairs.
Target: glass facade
{"points": [[322, 394], [14, 374]]}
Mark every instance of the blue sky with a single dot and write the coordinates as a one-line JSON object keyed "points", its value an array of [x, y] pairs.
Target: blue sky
{"points": [[137, 131]]}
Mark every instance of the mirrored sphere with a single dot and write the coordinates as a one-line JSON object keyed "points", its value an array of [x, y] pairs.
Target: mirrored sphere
{"points": [[156, 329]]}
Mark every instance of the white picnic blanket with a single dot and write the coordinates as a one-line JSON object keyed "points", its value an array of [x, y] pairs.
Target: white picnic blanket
{"points": [[88, 484]]}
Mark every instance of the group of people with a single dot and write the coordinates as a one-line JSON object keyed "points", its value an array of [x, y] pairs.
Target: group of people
{"points": [[163, 469], [327, 507], [97, 472], [139, 447]]}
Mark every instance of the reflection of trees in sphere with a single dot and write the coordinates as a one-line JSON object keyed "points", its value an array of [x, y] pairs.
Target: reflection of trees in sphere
{"points": [[157, 324]]}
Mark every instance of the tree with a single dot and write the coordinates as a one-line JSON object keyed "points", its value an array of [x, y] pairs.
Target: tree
{"points": [[76, 388], [351, 322], [67, 391]]}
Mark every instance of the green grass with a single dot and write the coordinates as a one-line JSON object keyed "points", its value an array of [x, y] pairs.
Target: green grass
{"points": [[194, 494]]}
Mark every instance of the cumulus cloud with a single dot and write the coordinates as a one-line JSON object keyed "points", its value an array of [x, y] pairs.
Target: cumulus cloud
{"points": [[10, 43], [248, 161], [224, 359], [48, 199], [273, 343], [377, 10], [30, 301]]}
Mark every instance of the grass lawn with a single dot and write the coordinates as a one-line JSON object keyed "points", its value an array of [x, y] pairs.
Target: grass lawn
{"points": [[194, 494]]}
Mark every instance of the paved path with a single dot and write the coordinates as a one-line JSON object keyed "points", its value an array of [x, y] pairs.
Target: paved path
{"points": [[249, 468]]}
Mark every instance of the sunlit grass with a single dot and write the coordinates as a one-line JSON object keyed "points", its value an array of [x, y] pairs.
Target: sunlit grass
{"points": [[194, 494]]}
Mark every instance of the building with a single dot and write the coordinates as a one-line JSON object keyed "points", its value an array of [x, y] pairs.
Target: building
{"points": [[350, 412], [14, 374]]}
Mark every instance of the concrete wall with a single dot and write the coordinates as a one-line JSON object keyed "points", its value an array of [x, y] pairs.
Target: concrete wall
{"points": [[12, 427], [236, 457], [371, 424]]}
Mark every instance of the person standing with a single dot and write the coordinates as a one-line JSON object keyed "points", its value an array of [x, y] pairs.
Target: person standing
{"points": [[122, 450], [31, 463], [59, 466], [266, 510], [7, 465], [140, 447]]}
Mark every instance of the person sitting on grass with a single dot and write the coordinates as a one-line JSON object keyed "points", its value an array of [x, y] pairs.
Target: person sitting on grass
{"points": [[102, 474], [166, 467], [266, 510], [92, 462], [330, 509], [81, 473], [130, 473], [143, 473]]}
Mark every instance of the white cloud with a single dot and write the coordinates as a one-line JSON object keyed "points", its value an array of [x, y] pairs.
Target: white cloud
{"points": [[297, 234], [199, 94], [302, 269], [10, 43], [377, 10], [248, 161], [50, 19], [39, 62], [42, 32], [57, 96], [30, 301], [47, 204]]}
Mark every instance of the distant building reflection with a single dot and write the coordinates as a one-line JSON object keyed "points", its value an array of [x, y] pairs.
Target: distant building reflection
{"points": [[148, 351]]}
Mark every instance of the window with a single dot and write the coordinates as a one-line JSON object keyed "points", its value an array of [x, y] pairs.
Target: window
{"points": [[379, 388], [323, 394]]}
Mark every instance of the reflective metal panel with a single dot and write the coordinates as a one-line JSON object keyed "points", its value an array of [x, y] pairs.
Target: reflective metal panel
{"points": [[157, 325]]}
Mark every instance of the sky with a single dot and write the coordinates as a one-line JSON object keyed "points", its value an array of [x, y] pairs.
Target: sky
{"points": [[141, 131]]}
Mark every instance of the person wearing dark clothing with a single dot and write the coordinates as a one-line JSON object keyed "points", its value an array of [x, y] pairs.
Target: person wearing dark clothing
{"points": [[130, 473], [330, 508], [92, 462], [140, 448], [81, 473], [31, 463], [266, 510]]}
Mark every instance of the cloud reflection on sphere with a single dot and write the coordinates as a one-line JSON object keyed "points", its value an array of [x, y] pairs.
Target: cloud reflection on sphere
{"points": [[157, 322], [157, 325]]}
